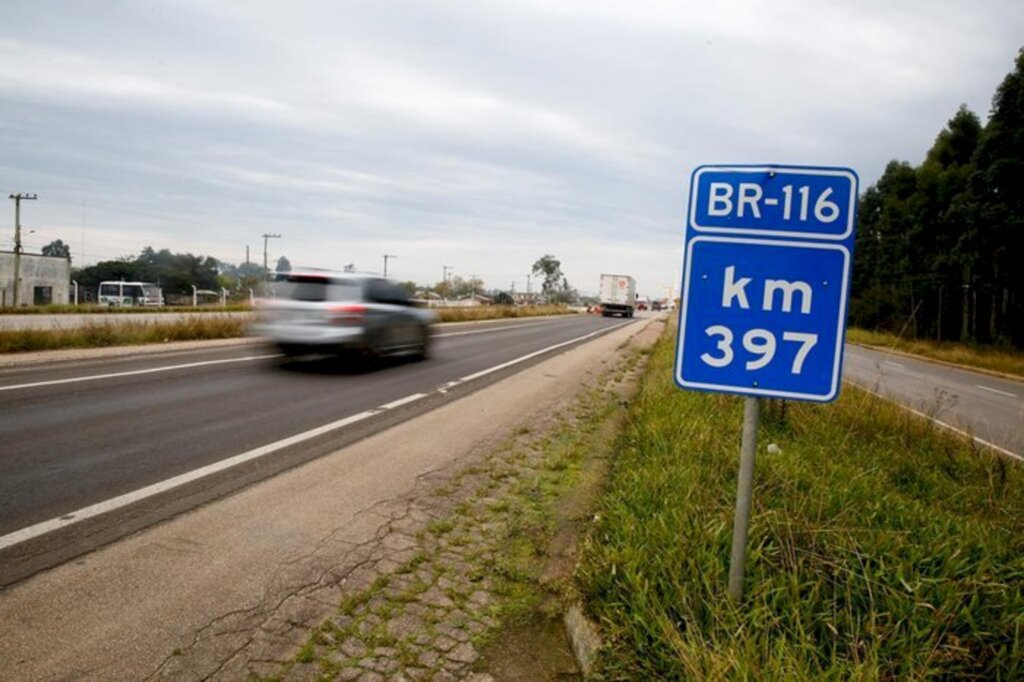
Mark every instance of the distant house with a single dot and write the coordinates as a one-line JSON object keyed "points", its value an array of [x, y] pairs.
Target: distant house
{"points": [[470, 301], [42, 280], [522, 298]]}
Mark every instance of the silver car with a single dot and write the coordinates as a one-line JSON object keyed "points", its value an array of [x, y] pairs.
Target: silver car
{"points": [[319, 311]]}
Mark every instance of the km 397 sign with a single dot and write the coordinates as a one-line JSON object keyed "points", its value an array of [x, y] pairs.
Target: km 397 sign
{"points": [[766, 272]]}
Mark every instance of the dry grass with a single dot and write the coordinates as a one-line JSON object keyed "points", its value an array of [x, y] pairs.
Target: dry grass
{"points": [[498, 312], [127, 332], [123, 333], [997, 359]]}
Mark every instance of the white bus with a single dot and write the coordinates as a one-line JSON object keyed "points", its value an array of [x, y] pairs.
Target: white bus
{"points": [[130, 294]]}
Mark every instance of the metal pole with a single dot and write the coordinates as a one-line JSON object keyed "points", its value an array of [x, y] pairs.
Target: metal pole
{"points": [[386, 257], [748, 448]]}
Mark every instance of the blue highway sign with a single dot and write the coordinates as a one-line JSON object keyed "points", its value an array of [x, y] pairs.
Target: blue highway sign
{"points": [[765, 283], [774, 201]]}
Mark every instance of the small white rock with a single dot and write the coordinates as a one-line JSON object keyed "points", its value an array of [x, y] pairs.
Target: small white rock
{"points": [[773, 449]]}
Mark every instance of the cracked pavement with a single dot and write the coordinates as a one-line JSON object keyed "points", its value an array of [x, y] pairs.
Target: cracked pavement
{"points": [[232, 589]]}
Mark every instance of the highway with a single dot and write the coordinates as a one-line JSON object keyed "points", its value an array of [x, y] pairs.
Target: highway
{"points": [[77, 435], [95, 449], [987, 407]]}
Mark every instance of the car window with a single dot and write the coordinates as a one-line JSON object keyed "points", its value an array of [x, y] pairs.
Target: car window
{"points": [[314, 288], [381, 291]]}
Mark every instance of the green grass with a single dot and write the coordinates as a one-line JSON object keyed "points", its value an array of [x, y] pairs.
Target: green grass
{"points": [[995, 358], [879, 547], [122, 333]]}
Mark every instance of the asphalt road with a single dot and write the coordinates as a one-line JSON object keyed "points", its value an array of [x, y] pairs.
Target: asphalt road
{"points": [[987, 407], [81, 433]]}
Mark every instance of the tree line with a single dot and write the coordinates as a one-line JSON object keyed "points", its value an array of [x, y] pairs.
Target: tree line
{"points": [[940, 247], [175, 273]]}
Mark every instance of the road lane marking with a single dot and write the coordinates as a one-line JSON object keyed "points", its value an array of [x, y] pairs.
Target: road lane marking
{"points": [[893, 364], [996, 390], [137, 372], [939, 422], [121, 501], [402, 401], [126, 499]]}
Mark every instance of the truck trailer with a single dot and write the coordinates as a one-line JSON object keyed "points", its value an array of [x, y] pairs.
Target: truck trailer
{"points": [[617, 295]]}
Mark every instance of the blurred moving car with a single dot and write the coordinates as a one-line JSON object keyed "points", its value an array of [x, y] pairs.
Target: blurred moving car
{"points": [[321, 311]]}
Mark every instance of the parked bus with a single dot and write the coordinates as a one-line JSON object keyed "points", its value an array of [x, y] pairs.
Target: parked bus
{"points": [[130, 294]]}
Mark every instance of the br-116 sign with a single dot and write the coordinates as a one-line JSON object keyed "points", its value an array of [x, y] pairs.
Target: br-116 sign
{"points": [[766, 271]]}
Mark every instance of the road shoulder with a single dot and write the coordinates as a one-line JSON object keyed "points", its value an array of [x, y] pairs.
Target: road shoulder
{"points": [[244, 579]]}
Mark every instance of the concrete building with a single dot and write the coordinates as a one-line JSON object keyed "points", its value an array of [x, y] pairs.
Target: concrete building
{"points": [[43, 279]]}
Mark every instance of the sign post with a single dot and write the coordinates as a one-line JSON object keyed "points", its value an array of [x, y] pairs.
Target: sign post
{"points": [[766, 270]]}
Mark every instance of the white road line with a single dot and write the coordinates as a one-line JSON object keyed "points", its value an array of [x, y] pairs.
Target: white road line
{"points": [[893, 364], [136, 372], [940, 423], [142, 493], [402, 401], [996, 390], [121, 501]]}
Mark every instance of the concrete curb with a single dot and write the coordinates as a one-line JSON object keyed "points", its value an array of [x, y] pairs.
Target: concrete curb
{"points": [[583, 636]]}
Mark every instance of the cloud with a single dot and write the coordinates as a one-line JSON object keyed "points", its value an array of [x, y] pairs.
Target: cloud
{"points": [[479, 135]]}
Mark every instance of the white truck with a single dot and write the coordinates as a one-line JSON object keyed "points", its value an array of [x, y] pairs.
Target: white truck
{"points": [[617, 295]]}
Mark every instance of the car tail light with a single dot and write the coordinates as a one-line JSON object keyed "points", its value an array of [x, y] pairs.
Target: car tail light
{"points": [[346, 314]]}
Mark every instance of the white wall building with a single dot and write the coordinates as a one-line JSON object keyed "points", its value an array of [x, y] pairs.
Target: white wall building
{"points": [[43, 279]]}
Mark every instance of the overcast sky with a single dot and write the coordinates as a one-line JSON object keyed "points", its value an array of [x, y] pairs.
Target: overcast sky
{"points": [[477, 134]]}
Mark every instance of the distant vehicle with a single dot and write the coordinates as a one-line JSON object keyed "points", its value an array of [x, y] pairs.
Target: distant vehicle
{"points": [[320, 311], [125, 294], [617, 295], [657, 306]]}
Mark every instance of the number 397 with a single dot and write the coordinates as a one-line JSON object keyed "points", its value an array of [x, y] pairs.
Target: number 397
{"points": [[758, 342]]}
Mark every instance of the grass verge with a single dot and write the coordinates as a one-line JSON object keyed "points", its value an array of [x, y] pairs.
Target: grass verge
{"points": [[498, 312], [125, 332], [122, 333], [994, 358], [91, 309], [879, 547]]}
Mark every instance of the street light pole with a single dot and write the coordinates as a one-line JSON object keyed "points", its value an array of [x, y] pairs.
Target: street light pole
{"points": [[386, 257], [18, 198]]}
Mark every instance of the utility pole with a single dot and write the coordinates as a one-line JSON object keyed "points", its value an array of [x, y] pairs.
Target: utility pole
{"points": [[18, 198], [246, 255], [445, 270], [386, 257], [472, 286], [266, 237], [528, 290]]}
